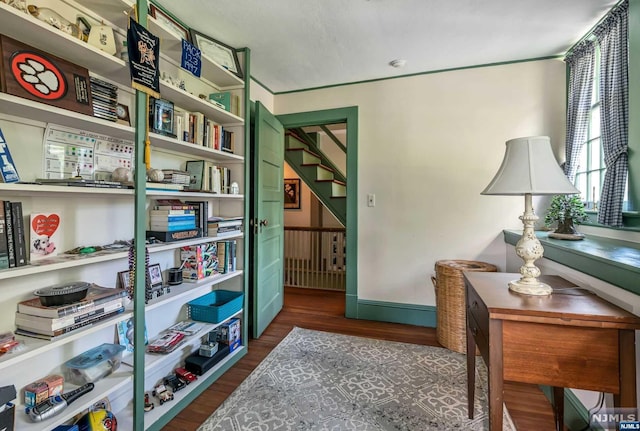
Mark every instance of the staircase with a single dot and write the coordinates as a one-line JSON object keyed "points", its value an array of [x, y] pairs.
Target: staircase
{"points": [[318, 172]]}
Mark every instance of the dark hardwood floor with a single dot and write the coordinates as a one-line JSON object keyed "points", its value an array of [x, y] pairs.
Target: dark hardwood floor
{"points": [[324, 311]]}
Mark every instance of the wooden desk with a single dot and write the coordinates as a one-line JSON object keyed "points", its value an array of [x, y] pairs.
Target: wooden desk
{"points": [[570, 339]]}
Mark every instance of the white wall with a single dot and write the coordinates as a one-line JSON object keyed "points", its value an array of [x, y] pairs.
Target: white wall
{"points": [[427, 146], [259, 94]]}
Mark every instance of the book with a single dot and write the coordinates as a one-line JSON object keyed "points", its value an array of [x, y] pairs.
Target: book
{"points": [[96, 295], [164, 186], [170, 236], [8, 171], [4, 249], [223, 256], [8, 231], [45, 233], [19, 244], [171, 204], [155, 212], [27, 321], [126, 334], [172, 226], [52, 335], [173, 218], [202, 214]]}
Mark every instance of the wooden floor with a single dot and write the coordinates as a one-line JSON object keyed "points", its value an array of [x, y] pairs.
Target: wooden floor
{"points": [[324, 311]]}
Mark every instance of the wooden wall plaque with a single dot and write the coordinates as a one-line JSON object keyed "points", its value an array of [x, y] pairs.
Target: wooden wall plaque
{"points": [[33, 74]]}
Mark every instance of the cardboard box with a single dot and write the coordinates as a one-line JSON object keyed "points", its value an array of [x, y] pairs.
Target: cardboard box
{"points": [[229, 334], [200, 261], [42, 389], [224, 98]]}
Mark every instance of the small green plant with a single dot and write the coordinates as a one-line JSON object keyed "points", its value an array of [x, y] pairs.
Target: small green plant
{"points": [[565, 211]]}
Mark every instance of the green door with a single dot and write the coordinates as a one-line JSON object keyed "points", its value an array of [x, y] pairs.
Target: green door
{"points": [[268, 289]]}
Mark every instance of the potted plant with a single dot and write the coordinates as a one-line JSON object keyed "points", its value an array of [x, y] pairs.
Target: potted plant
{"points": [[565, 212]]}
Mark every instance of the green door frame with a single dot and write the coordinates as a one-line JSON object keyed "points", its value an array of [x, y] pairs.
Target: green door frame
{"points": [[348, 115]]}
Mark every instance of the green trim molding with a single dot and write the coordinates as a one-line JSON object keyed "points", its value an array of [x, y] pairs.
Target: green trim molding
{"points": [[409, 314], [576, 415], [611, 260], [348, 115]]}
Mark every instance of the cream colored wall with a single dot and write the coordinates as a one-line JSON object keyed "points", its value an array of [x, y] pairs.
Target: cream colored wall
{"points": [[427, 146], [301, 217], [258, 93]]}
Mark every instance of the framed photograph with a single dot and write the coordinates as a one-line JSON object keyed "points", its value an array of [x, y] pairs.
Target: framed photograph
{"points": [[123, 279], [168, 23], [292, 193], [155, 275], [216, 51], [122, 111], [161, 116]]}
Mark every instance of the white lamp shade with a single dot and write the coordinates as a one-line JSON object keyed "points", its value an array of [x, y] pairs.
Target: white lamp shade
{"points": [[529, 167]]}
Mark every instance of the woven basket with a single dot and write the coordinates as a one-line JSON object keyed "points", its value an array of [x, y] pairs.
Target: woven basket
{"points": [[450, 301]]}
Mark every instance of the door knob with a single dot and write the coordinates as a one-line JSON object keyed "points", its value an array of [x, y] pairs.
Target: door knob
{"points": [[264, 222]]}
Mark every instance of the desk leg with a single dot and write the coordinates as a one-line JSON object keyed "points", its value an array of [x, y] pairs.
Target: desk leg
{"points": [[558, 407], [496, 375], [627, 348], [471, 371]]}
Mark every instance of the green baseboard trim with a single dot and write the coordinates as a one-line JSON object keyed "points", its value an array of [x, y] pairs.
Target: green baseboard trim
{"points": [[351, 306], [576, 415], [409, 314]]}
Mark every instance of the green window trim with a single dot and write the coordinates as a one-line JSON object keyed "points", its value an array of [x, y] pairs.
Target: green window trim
{"points": [[614, 261]]}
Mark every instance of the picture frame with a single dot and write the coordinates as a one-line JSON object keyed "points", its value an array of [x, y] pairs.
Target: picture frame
{"points": [[292, 193], [122, 112], [123, 279], [161, 118], [168, 23], [155, 275], [216, 51]]}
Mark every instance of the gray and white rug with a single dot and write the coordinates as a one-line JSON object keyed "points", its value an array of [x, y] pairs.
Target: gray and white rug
{"points": [[323, 381]]}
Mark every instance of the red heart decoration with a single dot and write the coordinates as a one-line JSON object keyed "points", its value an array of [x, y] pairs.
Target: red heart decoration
{"points": [[45, 225]]}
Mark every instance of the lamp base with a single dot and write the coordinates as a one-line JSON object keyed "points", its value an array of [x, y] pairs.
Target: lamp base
{"points": [[538, 288]]}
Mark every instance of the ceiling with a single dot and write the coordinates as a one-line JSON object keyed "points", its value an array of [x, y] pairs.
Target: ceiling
{"points": [[302, 44]]}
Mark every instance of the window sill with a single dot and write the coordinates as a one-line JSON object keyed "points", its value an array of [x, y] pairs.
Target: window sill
{"points": [[615, 261]]}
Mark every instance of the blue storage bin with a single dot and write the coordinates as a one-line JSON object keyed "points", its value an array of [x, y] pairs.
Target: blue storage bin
{"points": [[216, 306]]}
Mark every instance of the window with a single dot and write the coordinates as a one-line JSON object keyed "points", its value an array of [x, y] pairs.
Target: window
{"points": [[591, 167]]}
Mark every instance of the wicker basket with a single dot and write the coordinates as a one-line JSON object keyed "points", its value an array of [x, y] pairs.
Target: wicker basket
{"points": [[450, 300]]}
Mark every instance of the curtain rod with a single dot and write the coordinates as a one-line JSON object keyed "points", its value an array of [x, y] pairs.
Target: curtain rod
{"points": [[590, 32]]}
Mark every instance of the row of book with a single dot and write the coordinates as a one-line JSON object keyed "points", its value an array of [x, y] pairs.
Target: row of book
{"points": [[13, 248], [196, 128], [208, 177], [38, 321]]}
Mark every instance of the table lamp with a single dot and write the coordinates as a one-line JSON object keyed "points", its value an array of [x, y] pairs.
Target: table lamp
{"points": [[529, 168]]}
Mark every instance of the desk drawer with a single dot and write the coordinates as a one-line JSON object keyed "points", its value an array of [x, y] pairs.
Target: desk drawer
{"points": [[478, 310], [482, 338]]}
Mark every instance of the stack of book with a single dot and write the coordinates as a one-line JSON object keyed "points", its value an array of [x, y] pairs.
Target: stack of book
{"points": [[105, 99], [223, 227], [172, 219], [36, 320]]}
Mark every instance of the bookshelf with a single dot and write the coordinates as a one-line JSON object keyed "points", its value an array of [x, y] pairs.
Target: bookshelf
{"points": [[99, 216]]}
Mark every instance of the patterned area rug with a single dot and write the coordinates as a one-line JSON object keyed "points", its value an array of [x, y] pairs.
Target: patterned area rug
{"points": [[322, 381]]}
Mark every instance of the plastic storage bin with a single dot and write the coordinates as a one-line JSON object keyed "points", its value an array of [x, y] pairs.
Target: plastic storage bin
{"points": [[94, 364], [216, 306]]}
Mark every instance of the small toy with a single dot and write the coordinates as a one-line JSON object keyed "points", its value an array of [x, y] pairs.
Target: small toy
{"points": [[162, 393], [172, 381], [185, 376], [148, 405]]}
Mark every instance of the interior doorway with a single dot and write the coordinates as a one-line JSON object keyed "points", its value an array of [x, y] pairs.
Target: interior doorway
{"points": [[318, 120], [314, 235]]}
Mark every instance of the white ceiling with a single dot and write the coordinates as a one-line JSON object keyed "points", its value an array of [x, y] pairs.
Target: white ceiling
{"points": [[301, 44]]}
